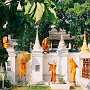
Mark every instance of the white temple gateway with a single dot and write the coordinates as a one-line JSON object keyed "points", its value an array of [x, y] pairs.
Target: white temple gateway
{"points": [[38, 68]]}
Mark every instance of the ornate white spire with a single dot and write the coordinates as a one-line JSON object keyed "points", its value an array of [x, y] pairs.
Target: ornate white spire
{"points": [[84, 47], [61, 47], [61, 43], [37, 47]]}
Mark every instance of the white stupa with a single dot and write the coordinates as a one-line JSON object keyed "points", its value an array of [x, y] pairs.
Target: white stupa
{"points": [[61, 47], [62, 53], [37, 47], [37, 62]]}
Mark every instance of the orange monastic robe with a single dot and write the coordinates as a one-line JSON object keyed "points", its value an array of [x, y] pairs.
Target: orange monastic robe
{"points": [[6, 42], [22, 70], [73, 67], [45, 45], [52, 68], [22, 59]]}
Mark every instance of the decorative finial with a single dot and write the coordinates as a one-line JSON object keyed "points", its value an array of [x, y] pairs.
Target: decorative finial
{"points": [[61, 43], [37, 47], [19, 7], [70, 46], [84, 47]]}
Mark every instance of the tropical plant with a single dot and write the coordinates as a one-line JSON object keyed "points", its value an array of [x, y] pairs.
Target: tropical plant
{"points": [[39, 8]]}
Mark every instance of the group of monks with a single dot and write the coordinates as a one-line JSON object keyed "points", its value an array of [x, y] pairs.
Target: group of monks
{"points": [[52, 67], [45, 44], [23, 58], [72, 68]]}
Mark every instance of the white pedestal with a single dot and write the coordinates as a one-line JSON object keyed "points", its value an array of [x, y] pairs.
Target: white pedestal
{"points": [[37, 68], [63, 65]]}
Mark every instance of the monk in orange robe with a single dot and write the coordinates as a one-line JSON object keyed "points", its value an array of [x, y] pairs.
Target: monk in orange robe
{"points": [[22, 59], [72, 67], [45, 45], [6, 42], [52, 68], [22, 70]]}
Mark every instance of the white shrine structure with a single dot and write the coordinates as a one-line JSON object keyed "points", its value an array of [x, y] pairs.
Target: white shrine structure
{"points": [[38, 68]]}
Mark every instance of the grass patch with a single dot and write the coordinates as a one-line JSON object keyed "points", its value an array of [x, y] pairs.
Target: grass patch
{"points": [[36, 87]]}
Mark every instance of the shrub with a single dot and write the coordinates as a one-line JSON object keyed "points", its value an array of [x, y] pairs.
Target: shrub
{"points": [[7, 84]]}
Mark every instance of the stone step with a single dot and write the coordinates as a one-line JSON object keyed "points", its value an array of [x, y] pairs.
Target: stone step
{"points": [[60, 86]]}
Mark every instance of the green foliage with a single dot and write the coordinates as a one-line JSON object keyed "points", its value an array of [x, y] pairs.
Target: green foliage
{"points": [[27, 35], [3, 56], [7, 84], [37, 9], [40, 12], [36, 87], [72, 15]]}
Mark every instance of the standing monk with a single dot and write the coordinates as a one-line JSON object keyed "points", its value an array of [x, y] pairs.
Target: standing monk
{"points": [[72, 68], [52, 68]]}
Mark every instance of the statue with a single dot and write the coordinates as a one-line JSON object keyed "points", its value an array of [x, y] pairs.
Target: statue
{"points": [[45, 45], [52, 68], [72, 68]]}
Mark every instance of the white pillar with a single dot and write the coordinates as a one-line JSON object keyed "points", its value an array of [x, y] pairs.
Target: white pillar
{"points": [[11, 65], [37, 68], [63, 66], [37, 62], [62, 53]]}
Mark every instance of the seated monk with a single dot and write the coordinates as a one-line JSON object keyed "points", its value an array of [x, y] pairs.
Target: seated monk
{"points": [[45, 45]]}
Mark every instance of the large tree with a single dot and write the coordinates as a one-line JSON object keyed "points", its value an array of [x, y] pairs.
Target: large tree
{"points": [[72, 15]]}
